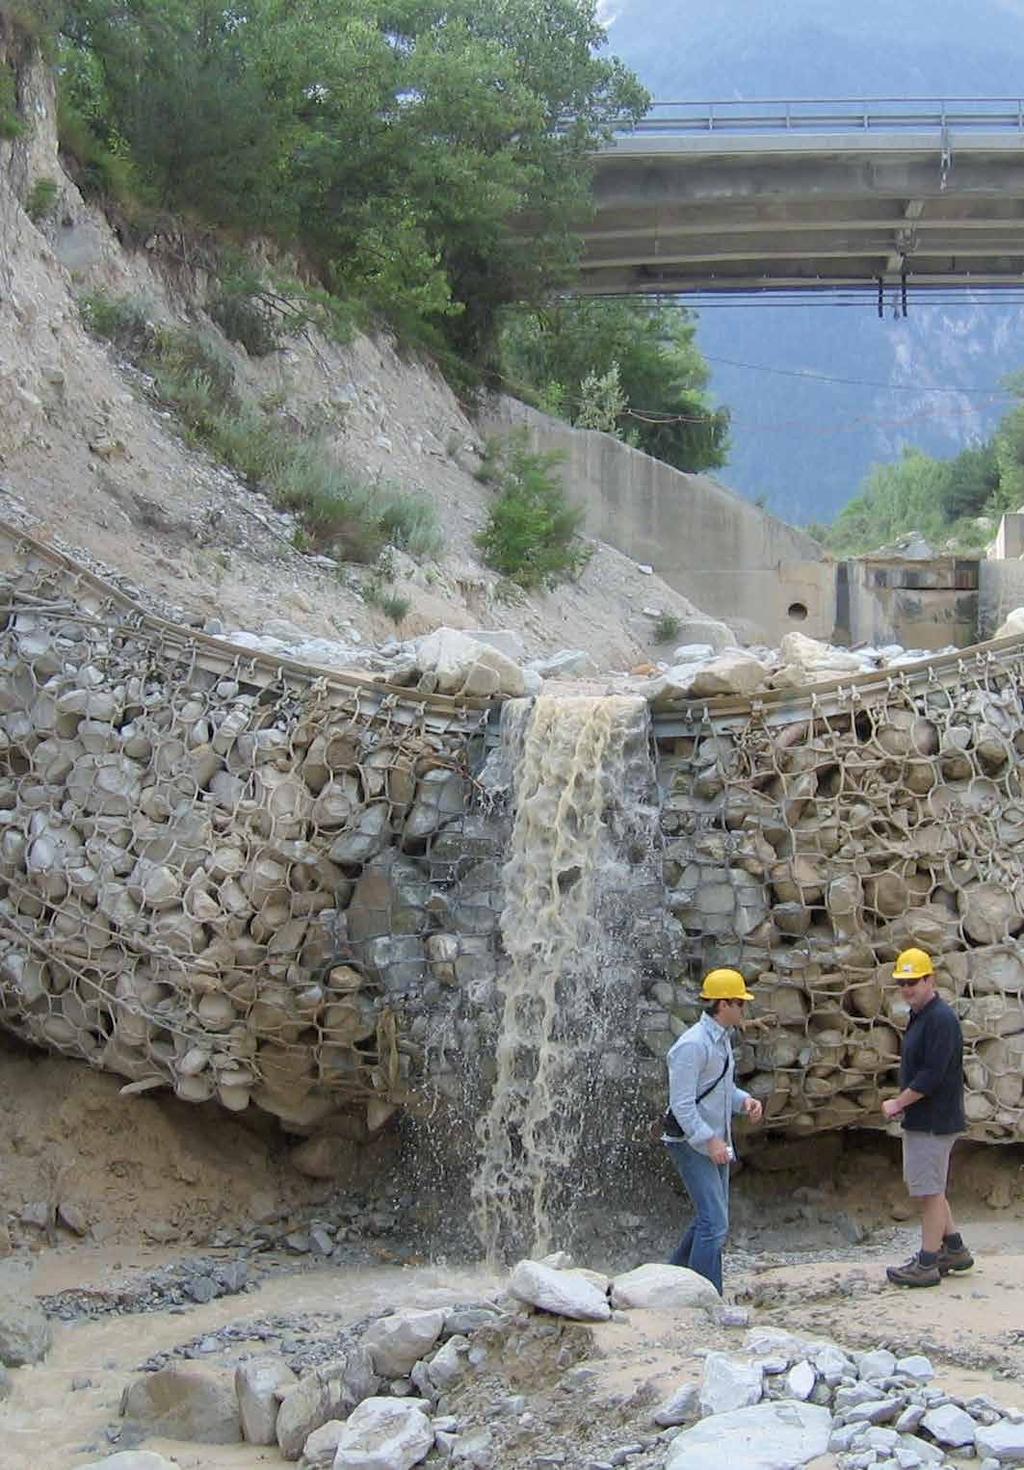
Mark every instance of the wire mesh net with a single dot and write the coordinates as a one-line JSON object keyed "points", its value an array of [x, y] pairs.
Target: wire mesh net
{"points": [[811, 838], [220, 873]]}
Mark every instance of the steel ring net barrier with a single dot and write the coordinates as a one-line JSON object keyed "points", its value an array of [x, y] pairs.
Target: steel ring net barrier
{"points": [[219, 874], [812, 840]]}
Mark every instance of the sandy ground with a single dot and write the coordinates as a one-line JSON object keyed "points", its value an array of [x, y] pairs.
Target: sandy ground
{"points": [[970, 1327]]}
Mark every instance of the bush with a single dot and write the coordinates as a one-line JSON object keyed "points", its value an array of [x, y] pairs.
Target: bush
{"points": [[531, 531], [666, 628], [244, 318], [124, 321], [391, 603], [42, 200], [194, 377], [410, 523], [11, 125]]}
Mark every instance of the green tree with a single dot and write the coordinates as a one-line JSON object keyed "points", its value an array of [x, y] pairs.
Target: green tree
{"points": [[395, 142], [896, 498], [661, 372]]}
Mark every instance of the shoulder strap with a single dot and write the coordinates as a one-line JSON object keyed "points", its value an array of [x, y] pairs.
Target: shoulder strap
{"points": [[702, 1095]]}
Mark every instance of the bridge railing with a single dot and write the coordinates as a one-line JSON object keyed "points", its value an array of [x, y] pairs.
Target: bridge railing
{"points": [[834, 115]]}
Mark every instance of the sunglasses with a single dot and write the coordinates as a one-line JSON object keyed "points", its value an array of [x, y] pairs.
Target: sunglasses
{"points": [[907, 984]]}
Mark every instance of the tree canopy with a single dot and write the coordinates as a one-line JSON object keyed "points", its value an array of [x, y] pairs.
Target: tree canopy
{"points": [[564, 353], [390, 141], [940, 498]]}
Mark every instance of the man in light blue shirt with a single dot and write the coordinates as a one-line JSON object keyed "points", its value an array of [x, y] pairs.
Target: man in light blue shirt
{"points": [[698, 1125]]}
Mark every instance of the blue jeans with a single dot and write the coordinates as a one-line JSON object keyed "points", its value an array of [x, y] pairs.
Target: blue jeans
{"points": [[707, 1184]]}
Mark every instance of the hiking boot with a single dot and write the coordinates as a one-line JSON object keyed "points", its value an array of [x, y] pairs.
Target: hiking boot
{"points": [[954, 1258], [914, 1273]]}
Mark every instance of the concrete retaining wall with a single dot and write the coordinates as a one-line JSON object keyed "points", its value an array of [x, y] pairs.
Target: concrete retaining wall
{"points": [[726, 554]]}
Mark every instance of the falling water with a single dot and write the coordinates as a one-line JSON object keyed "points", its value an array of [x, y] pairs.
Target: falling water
{"points": [[580, 871]]}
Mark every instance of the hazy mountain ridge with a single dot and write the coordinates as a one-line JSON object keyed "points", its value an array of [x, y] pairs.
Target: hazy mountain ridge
{"points": [[805, 445]]}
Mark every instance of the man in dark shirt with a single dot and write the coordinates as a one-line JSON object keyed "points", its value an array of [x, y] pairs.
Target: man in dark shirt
{"points": [[931, 1105]]}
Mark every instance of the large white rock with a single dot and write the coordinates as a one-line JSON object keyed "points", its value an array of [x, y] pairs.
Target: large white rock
{"points": [[729, 1384], [396, 1343], [668, 1287], [879, 1363], [385, 1434], [131, 1460], [729, 673], [797, 648], [25, 1331], [505, 640], [800, 1380], [462, 663], [768, 1436], [322, 1445], [257, 1383], [329, 1392], [709, 631], [562, 1292], [916, 1366], [567, 663], [950, 1426], [1003, 1441], [682, 1405]]}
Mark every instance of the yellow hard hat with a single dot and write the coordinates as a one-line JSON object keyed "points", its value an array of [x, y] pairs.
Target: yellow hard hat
{"points": [[912, 964], [724, 985]]}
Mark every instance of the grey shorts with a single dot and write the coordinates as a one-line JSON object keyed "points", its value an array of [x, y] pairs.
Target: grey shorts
{"points": [[926, 1162]]}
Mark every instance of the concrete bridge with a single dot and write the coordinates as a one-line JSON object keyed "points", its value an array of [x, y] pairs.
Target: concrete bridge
{"points": [[782, 196]]}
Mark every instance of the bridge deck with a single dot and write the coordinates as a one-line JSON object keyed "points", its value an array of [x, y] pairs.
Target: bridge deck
{"points": [[791, 196]]}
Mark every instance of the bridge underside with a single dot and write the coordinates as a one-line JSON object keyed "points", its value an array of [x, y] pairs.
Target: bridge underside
{"points": [[692, 214]]}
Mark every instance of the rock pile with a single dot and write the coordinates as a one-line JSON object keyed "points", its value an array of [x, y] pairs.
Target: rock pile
{"points": [[710, 670], [432, 1380]]}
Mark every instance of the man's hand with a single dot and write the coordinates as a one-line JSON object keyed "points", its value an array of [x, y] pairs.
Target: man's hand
{"points": [[753, 1109], [891, 1108], [718, 1151]]}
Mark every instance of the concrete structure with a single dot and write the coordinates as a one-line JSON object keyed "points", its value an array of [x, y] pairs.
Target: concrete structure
{"points": [[920, 604], [734, 560], [742, 196], [1009, 539], [1000, 590]]}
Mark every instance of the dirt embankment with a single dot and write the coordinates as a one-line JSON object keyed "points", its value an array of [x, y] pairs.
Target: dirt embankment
{"points": [[88, 462]]}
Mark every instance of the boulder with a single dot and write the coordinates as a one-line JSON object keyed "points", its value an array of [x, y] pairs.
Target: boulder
{"points": [[730, 673], [730, 1384], [184, 1401], [950, 1426], [395, 1343], [385, 1434], [322, 1445], [1012, 626], [1003, 1442], [462, 664], [800, 1381], [567, 663], [329, 1392], [561, 1292], [682, 1405], [709, 631], [258, 1384], [767, 1436], [131, 1460], [665, 1287]]}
